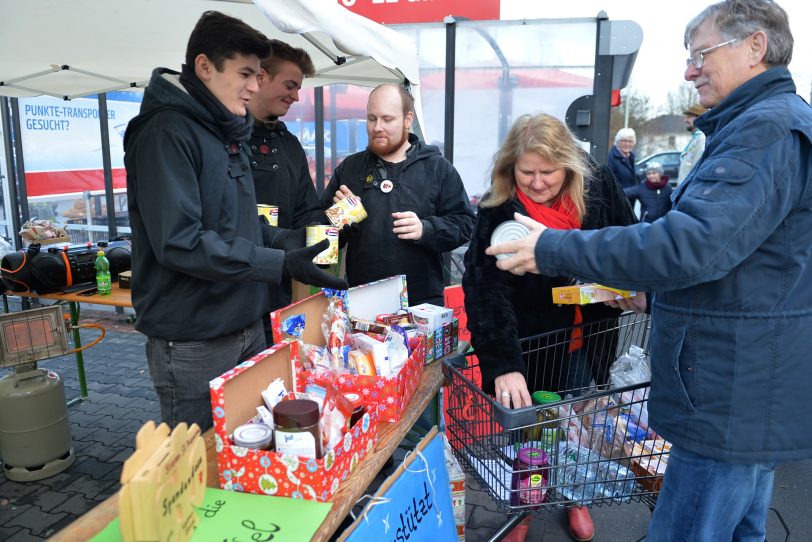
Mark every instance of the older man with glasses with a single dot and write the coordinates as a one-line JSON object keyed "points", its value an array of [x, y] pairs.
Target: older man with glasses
{"points": [[730, 267]]}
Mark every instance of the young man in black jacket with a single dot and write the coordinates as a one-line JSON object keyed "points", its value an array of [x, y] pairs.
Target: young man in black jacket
{"points": [[199, 265], [278, 162], [415, 199]]}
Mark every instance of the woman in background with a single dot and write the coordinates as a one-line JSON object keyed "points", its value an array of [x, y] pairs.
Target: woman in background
{"points": [[621, 157], [539, 171]]}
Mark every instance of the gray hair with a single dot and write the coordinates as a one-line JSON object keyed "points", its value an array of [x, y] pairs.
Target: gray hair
{"points": [[625, 133], [738, 19]]}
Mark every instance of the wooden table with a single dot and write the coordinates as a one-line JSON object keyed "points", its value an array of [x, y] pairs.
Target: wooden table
{"points": [[389, 436], [118, 297]]}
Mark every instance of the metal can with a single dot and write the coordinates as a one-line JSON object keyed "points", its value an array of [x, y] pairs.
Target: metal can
{"points": [[270, 212], [314, 234], [348, 210]]}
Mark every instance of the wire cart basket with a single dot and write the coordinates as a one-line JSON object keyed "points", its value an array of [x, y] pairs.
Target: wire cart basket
{"points": [[588, 444]]}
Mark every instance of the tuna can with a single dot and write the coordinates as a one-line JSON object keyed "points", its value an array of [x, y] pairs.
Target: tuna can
{"points": [[270, 212], [314, 234], [505, 232], [348, 210]]}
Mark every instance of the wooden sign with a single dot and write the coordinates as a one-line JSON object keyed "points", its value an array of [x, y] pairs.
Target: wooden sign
{"points": [[414, 504], [162, 483]]}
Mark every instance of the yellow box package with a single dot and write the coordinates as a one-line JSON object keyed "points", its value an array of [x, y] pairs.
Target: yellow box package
{"points": [[584, 294]]}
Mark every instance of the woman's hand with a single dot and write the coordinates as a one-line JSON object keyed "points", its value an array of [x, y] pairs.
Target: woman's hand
{"points": [[635, 304], [512, 388]]}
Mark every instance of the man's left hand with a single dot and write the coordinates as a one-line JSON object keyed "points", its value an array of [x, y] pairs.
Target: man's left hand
{"points": [[523, 250], [407, 226]]}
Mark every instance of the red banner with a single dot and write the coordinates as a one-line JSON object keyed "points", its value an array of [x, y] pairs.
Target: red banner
{"points": [[47, 183], [422, 11]]}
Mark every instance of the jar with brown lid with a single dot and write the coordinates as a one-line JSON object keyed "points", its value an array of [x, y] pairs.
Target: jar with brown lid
{"points": [[296, 424]]}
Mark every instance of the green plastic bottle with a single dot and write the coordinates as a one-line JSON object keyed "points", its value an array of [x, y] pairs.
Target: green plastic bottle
{"points": [[103, 283]]}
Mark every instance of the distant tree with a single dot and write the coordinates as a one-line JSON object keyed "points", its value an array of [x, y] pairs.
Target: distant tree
{"points": [[681, 99], [640, 111]]}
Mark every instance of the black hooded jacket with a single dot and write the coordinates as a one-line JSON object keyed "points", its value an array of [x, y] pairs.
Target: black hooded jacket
{"points": [[199, 267], [282, 178], [429, 186], [503, 308]]}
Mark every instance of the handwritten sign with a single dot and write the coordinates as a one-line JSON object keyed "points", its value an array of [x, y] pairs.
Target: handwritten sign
{"points": [[162, 482], [414, 504], [231, 516]]}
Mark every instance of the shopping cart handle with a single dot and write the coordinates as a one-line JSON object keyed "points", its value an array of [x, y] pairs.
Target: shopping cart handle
{"points": [[456, 360]]}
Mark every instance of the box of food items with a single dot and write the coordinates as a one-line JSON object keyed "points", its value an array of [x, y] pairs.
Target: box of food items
{"points": [[361, 339], [273, 440], [585, 294]]}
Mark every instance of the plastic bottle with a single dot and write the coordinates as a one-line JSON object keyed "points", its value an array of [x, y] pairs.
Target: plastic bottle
{"points": [[103, 282], [585, 475]]}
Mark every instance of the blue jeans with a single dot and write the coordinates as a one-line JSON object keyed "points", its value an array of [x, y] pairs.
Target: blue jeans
{"points": [[181, 371], [703, 499]]}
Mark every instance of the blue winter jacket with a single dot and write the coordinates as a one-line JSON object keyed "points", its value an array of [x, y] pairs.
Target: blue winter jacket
{"points": [[731, 265]]}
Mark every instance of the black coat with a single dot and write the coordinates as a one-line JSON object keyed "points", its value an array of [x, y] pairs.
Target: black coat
{"points": [[199, 267], [503, 308], [429, 186], [282, 178], [622, 167]]}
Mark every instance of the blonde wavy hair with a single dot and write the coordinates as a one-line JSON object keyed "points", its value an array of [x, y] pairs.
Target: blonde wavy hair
{"points": [[548, 137]]}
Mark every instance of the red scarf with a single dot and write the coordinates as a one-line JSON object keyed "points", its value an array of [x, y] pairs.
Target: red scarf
{"points": [[561, 215]]}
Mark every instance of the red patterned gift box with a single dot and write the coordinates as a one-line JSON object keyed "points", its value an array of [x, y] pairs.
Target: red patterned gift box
{"points": [[235, 396], [388, 296]]}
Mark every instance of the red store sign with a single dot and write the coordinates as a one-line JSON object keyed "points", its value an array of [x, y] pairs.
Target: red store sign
{"points": [[422, 11]]}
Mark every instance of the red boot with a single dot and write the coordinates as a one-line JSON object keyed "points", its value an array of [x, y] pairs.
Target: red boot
{"points": [[519, 532], [581, 527]]}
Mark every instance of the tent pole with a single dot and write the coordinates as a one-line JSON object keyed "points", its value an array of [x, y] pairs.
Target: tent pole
{"points": [[14, 217], [112, 230], [318, 128], [450, 68], [19, 162]]}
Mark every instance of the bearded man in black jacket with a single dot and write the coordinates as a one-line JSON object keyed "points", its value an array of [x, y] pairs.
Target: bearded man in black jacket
{"points": [[415, 199]]}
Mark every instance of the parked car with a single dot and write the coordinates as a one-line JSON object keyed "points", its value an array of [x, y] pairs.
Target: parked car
{"points": [[668, 159]]}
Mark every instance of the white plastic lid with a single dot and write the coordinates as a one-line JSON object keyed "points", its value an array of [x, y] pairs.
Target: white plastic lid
{"points": [[508, 231], [253, 435]]}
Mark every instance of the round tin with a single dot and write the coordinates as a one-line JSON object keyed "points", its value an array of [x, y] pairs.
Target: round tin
{"points": [[314, 234], [256, 436], [270, 212], [506, 232]]}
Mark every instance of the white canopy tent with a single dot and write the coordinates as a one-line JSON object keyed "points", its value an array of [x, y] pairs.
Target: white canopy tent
{"points": [[69, 49]]}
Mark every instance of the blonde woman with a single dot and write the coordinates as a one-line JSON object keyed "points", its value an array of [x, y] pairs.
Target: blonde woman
{"points": [[539, 171]]}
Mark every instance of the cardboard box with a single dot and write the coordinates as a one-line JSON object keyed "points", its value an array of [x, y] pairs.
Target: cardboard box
{"points": [[429, 317], [125, 280], [584, 294], [235, 395], [390, 394]]}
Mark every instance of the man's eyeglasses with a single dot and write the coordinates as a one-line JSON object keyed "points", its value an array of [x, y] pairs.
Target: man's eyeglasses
{"points": [[698, 57]]}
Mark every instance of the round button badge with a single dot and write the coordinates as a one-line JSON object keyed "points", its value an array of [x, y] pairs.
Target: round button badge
{"points": [[387, 186], [508, 231]]}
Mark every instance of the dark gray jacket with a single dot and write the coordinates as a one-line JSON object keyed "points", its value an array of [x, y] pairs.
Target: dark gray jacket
{"points": [[199, 268], [429, 186]]}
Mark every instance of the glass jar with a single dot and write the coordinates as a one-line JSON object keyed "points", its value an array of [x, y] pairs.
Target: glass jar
{"points": [[254, 436], [549, 431], [358, 408], [531, 477], [296, 423]]}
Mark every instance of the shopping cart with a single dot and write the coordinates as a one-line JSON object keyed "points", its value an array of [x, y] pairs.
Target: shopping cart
{"points": [[590, 445]]}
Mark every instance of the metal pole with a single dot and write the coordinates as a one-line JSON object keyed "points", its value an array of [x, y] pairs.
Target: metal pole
{"points": [[602, 90], [112, 230], [318, 104], [20, 163], [450, 68], [14, 206], [333, 129]]}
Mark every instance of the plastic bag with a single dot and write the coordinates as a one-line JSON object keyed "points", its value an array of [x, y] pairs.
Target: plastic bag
{"points": [[630, 368]]}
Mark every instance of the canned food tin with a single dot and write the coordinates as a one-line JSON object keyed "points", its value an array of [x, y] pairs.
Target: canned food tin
{"points": [[348, 210], [314, 234], [511, 230], [270, 212]]}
